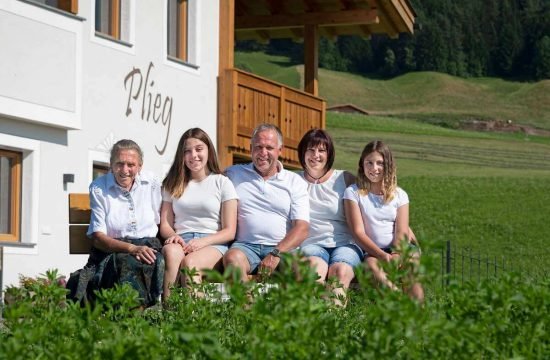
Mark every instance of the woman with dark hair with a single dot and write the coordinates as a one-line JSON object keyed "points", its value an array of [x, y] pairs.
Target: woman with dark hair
{"points": [[329, 247], [125, 207], [198, 216]]}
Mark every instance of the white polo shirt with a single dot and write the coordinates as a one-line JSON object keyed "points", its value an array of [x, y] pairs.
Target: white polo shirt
{"points": [[268, 207], [119, 213]]}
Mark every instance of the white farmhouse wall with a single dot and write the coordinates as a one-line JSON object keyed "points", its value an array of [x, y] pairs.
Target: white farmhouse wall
{"points": [[64, 101]]}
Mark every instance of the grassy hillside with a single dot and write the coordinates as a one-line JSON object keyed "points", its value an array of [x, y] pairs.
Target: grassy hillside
{"points": [[428, 150], [428, 96], [435, 96], [276, 68]]}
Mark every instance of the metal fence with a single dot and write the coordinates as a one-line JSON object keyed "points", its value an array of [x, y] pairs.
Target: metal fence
{"points": [[465, 264]]}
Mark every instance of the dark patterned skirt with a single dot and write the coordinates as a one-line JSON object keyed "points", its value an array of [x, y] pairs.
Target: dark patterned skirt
{"points": [[104, 270]]}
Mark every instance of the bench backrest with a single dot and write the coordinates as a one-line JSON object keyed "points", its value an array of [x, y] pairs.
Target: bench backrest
{"points": [[79, 219]]}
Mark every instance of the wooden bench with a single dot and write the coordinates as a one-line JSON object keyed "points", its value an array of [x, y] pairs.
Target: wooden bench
{"points": [[79, 219]]}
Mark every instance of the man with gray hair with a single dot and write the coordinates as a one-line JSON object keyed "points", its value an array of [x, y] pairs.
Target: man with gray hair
{"points": [[273, 211]]}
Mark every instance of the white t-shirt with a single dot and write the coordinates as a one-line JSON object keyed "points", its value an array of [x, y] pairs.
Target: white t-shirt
{"points": [[119, 213], [267, 207], [378, 218], [327, 225], [199, 207]]}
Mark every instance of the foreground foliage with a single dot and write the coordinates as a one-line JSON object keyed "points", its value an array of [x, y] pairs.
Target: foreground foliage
{"points": [[504, 319]]}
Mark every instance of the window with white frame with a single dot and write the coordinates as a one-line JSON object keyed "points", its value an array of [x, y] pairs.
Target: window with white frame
{"points": [[10, 195], [112, 19]]}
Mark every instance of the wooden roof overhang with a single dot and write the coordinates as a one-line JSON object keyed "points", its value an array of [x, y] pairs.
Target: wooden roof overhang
{"points": [[246, 100], [271, 19]]}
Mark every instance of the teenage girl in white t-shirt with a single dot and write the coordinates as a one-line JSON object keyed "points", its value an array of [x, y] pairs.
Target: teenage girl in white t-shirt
{"points": [[198, 216], [377, 212]]}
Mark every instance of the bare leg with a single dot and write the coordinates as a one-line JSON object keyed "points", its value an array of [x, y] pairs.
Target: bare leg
{"points": [[344, 274], [237, 259], [320, 266], [413, 287], [379, 274], [205, 258], [173, 256]]}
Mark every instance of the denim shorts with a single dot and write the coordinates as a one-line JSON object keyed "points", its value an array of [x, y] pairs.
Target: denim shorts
{"points": [[253, 252], [350, 254], [188, 236]]}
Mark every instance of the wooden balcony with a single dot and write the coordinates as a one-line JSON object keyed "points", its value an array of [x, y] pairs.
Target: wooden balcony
{"points": [[247, 100]]}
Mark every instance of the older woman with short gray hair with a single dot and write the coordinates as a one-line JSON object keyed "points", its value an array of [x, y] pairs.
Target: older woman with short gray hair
{"points": [[125, 206]]}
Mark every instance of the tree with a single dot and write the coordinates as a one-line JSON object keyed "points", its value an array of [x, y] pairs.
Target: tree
{"points": [[542, 58]]}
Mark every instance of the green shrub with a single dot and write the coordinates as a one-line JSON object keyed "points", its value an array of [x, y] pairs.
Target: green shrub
{"points": [[293, 320]]}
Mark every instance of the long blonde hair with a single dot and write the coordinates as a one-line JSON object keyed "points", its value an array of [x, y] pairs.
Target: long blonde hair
{"points": [[389, 181], [179, 175]]}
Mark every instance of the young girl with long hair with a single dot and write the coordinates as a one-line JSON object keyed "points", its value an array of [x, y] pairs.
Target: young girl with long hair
{"points": [[377, 212], [198, 216]]}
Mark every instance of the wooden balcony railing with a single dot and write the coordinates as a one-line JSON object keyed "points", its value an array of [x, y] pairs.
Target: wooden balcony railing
{"points": [[247, 100]]}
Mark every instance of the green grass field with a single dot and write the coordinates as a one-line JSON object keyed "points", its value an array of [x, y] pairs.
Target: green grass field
{"points": [[487, 191]]}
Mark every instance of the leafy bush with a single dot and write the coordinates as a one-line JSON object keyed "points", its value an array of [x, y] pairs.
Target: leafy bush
{"points": [[505, 319]]}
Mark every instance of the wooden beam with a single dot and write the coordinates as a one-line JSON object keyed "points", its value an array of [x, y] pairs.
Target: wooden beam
{"points": [[275, 6], [225, 82], [263, 36], [240, 8], [297, 34], [227, 35], [366, 32], [349, 17], [311, 5], [311, 60], [387, 22], [403, 15]]}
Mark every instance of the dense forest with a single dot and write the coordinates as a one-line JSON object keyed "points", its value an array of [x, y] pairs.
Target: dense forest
{"points": [[467, 38]]}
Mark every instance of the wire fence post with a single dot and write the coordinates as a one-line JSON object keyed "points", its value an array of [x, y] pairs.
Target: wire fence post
{"points": [[448, 262]]}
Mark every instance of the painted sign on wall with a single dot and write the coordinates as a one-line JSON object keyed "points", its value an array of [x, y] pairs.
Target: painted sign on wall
{"points": [[154, 107]]}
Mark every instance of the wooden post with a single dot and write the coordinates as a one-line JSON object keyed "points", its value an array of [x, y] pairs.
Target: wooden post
{"points": [[311, 59], [226, 48], [68, 5]]}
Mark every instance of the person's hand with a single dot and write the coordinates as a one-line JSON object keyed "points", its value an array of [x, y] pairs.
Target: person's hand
{"points": [[174, 239], [395, 256], [386, 257], [268, 264], [193, 245], [144, 254]]}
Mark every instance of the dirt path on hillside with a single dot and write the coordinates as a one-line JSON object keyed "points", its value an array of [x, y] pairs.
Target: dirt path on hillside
{"points": [[502, 126]]}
